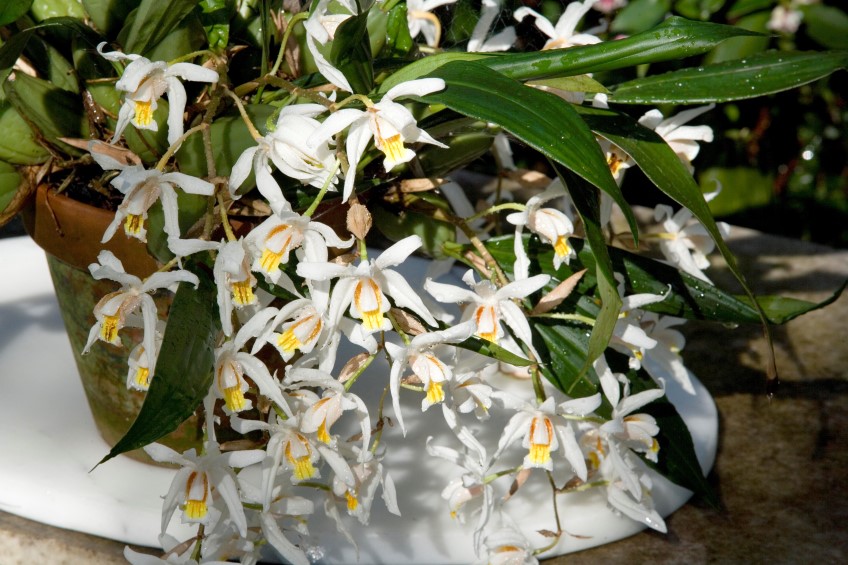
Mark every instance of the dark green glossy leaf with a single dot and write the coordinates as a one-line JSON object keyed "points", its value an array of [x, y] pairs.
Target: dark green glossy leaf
{"points": [[677, 460], [660, 164], [828, 25], [398, 41], [152, 22], [539, 119], [215, 16], [494, 351], [673, 39], [52, 65], [587, 201], [740, 47], [685, 296], [351, 53], [640, 15], [188, 37], [563, 350], [758, 75], [184, 368], [109, 15], [11, 10], [580, 83], [462, 150], [397, 224]]}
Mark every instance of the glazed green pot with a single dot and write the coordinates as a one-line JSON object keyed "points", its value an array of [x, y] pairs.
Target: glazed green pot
{"points": [[69, 232]]}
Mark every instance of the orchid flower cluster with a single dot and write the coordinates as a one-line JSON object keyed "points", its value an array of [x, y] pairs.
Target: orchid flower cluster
{"points": [[342, 289]]}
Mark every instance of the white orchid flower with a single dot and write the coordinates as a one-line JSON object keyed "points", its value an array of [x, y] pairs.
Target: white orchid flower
{"points": [[552, 225], [508, 546], [542, 430], [421, 20], [232, 364], [681, 138], [201, 480], [257, 158], [321, 26], [290, 448], [368, 474], [312, 165], [320, 416], [234, 281], [491, 304], [563, 34], [364, 288], [111, 311], [684, 242], [141, 362], [145, 82], [663, 361], [141, 189], [480, 40], [274, 239], [433, 373], [389, 123]]}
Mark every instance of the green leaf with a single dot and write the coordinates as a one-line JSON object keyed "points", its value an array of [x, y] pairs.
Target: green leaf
{"points": [[152, 22], [109, 15], [586, 200], [10, 180], [663, 167], [759, 188], [44, 9], [673, 39], [781, 309], [53, 112], [580, 83], [397, 224], [11, 10], [685, 296], [183, 371], [18, 144], [230, 138], [188, 37], [758, 75], [640, 15], [462, 150], [828, 25], [539, 119], [677, 460], [698, 9], [743, 7], [740, 47], [494, 351], [398, 41], [52, 65], [563, 350], [351, 53], [215, 16]]}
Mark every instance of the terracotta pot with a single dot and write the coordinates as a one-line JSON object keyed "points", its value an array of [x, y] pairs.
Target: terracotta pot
{"points": [[69, 232]]}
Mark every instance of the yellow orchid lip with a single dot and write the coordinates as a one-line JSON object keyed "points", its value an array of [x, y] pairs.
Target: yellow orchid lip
{"points": [[143, 112]]}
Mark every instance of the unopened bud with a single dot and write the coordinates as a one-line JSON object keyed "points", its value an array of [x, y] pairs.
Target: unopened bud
{"points": [[358, 220]]}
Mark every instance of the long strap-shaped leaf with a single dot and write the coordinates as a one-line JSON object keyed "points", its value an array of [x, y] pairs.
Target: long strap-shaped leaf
{"points": [[662, 166], [758, 75], [539, 119], [184, 367], [586, 201], [675, 38]]}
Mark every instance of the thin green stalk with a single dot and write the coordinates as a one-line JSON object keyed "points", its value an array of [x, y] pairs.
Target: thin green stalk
{"points": [[324, 189]]}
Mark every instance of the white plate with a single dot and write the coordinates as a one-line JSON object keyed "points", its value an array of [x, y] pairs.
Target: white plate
{"points": [[49, 445]]}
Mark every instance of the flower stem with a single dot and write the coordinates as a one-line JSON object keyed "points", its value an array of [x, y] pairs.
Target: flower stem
{"points": [[160, 166], [498, 208], [324, 189], [250, 127]]}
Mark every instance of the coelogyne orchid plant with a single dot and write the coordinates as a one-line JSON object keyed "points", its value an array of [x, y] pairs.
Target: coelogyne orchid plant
{"points": [[289, 163]]}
